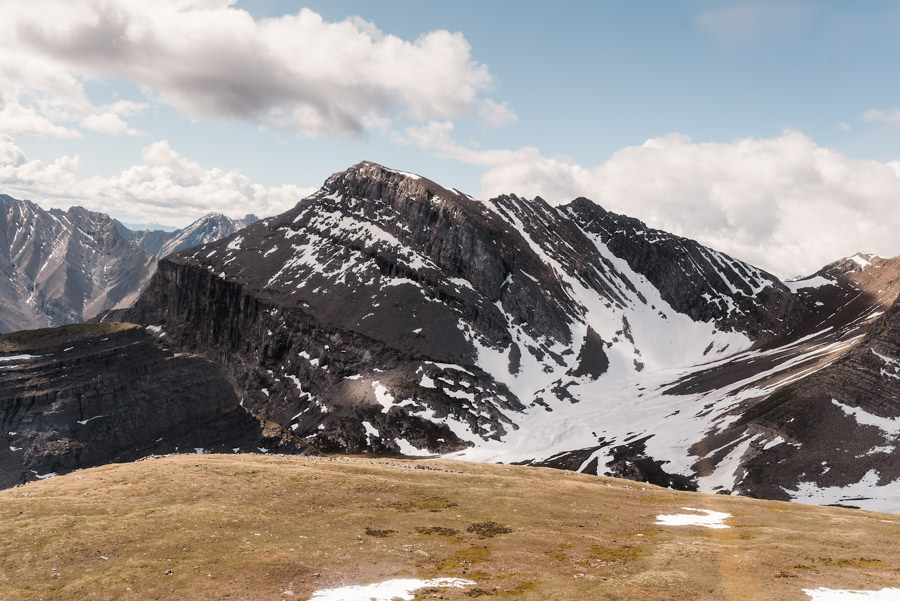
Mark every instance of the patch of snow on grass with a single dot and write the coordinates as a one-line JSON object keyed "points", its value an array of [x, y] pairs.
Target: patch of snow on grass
{"points": [[827, 594], [389, 590], [711, 519]]}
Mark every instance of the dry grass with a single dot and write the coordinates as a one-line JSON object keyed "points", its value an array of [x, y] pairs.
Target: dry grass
{"points": [[250, 527]]}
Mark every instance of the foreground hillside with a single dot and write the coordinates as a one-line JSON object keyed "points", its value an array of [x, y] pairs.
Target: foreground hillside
{"points": [[272, 527]]}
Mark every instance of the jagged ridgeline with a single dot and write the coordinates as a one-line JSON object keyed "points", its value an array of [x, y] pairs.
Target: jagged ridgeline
{"points": [[63, 267], [386, 313]]}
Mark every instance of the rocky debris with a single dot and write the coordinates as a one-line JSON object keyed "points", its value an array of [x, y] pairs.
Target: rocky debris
{"points": [[89, 394]]}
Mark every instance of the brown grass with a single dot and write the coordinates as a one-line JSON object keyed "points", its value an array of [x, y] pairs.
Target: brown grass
{"points": [[249, 527]]}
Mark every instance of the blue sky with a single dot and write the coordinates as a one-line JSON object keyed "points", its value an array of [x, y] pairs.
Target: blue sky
{"points": [[766, 129]]}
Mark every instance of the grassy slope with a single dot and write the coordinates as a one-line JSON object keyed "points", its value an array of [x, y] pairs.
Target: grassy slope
{"points": [[249, 527]]}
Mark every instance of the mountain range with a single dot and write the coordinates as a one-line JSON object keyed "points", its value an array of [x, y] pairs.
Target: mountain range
{"points": [[389, 314], [62, 267]]}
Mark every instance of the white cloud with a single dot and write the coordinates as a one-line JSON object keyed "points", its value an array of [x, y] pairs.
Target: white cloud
{"points": [[165, 188], [843, 125], [784, 204], [495, 114], [16, 119], [108, 123], [210, 59], [892, 117]]}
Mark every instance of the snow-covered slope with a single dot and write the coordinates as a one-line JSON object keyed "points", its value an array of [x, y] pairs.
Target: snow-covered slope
{"points": [[387, 313]]}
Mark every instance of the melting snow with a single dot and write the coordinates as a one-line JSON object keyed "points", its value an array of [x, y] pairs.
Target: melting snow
{"points": [[827, 594], [400, 588], [813, 282], [889, 425], [867, 494], [18, 357], [711, 519], [383, 396], [84, 421]]}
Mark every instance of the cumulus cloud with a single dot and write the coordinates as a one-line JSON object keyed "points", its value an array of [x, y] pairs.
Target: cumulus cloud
{"points": [[784, 204], [25, 120], [165, 187], [210, 59]]}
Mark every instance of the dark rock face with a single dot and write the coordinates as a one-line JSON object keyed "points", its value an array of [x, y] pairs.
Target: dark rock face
{"points": [[85, 395], [62, 267]]}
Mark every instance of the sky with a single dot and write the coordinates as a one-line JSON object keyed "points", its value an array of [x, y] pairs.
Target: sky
{"points": [[765, 129]]}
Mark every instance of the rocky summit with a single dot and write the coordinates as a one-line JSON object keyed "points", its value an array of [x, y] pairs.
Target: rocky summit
{"points": [[386, 313]]}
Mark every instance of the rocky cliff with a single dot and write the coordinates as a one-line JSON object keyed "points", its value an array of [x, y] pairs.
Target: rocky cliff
{"points": [[85, 395]]}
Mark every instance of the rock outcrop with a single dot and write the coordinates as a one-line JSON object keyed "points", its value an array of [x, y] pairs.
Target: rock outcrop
{"points": [[89, 394]]}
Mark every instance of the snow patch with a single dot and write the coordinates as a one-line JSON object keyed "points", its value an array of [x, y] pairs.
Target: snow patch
{"points": [[704, 517], [389, 590], [813, 282], [865, 494], [827, 594], [19, 357]]}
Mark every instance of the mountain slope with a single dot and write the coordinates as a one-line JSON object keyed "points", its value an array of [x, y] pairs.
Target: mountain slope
{"points": [[386, 313], [208, 228], [272, 527], [63, 267]]}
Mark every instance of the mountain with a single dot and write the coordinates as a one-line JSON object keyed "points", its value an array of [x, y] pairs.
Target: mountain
{"points": [[208, 228], [386, 313], [88, 394], [62, 267], [272, 527]]}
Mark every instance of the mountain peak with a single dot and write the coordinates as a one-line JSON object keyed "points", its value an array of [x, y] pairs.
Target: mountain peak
{"points": [[373, 181]]}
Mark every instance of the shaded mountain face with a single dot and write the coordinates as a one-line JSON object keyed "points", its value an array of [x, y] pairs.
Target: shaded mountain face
{"points": [[89, 394], [208, 228], [62, 267], [386, 313]]}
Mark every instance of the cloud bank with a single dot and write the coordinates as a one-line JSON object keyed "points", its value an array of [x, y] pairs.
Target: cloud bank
{"points": [[164, 188], [784, 204], [210, 59]]}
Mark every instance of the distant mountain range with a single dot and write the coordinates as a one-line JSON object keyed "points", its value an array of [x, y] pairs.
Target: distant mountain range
{"points": [[61, 267]]}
